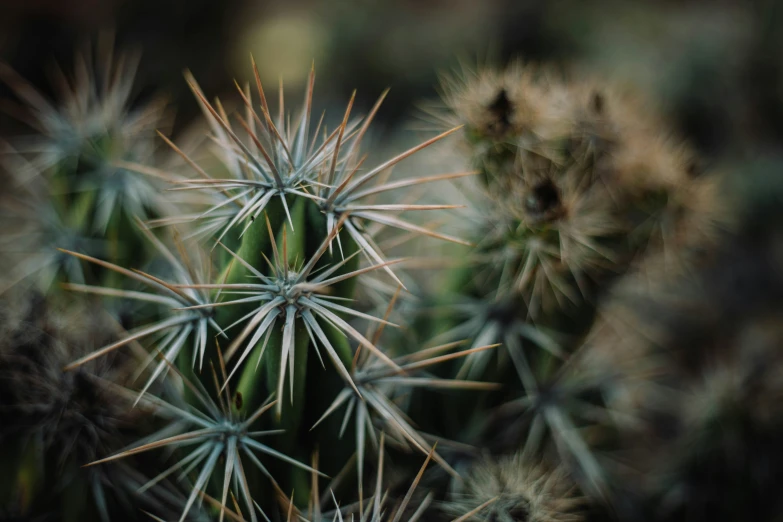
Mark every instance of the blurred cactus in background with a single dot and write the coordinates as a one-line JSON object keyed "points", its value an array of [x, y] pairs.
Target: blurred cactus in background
{"points": [[54, 421], [234, 327], [70, 181], [581, 182], [511, 488], [689, 365]]}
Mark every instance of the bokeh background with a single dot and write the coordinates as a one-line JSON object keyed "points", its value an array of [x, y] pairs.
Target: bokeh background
{"points": [[716, 66]]}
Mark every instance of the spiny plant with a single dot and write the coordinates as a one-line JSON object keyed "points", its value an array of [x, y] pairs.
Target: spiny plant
{"points": [[513, 489], [268, 267], [581, 164], [36, 225], [216, 431], [375, 509], [260, 256], [580, 181], [75, 168], [189, 317], [548, 248], [54, 421], [691, 368], [85, 137], [370, 398]]}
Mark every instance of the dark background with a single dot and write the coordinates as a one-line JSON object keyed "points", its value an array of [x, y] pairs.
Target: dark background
{"points": [[717, 66]]}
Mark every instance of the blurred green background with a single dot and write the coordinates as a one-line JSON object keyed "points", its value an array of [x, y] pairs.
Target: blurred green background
{"points": [[717, 66]]}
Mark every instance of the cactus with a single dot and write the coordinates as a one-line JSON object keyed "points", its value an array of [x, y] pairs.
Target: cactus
{"points": [[581, 183], [54, 421], [511, 489], [266, 269], [218, 434], [74, 178], [373, 406], [240, 360], [688, 365]]}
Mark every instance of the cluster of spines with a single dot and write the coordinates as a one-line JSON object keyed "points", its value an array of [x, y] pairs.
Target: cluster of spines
{"points": [[570, 168], [515, 488], [70, 185]]}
